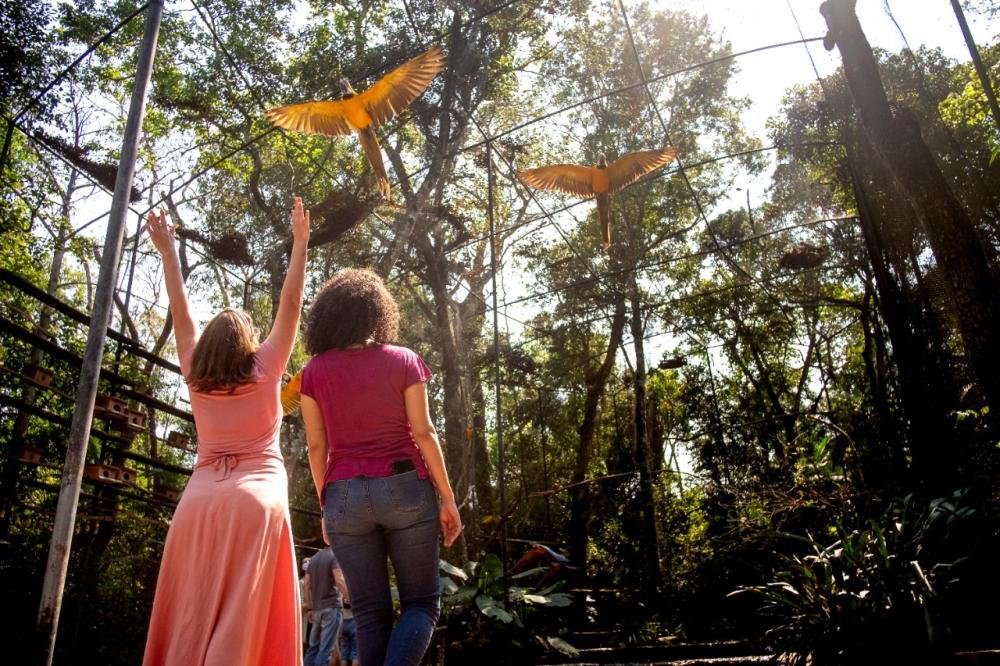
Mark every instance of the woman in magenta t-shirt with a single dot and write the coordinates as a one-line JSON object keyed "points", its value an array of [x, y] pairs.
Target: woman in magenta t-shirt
{"points": [[376, 461]]}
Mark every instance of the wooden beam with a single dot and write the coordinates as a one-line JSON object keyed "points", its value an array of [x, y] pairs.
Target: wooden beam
{"points": [[54, 350], [22, 285]]}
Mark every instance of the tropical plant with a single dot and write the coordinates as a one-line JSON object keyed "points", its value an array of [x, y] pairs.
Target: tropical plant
{"points": [[481, 626], [877, 593]]}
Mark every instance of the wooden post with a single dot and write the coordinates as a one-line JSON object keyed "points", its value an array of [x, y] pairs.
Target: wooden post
{"points": [[76, 448], [953, 239]]}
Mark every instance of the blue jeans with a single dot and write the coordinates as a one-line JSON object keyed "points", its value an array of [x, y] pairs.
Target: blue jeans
{"points": [[323, 636], [349, 640], [369, 519]]}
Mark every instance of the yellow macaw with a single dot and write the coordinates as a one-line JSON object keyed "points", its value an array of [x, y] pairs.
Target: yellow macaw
{"points": [[601, 180], [291, 394], [363, 112]]}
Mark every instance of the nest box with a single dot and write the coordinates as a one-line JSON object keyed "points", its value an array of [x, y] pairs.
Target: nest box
{"points": [[165, 491], [39, 375], [179, 440], [101, 473], [126, 476], [135, 420], [110, 407], [26, 453]]}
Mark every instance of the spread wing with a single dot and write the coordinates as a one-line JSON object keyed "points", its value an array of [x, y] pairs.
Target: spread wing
{"points": [[329, 118], [568, 178], [626, 170], [291, 394], [391, 94]]}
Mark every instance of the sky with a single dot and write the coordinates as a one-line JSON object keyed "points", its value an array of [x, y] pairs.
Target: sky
{"points": [[765, 77]]}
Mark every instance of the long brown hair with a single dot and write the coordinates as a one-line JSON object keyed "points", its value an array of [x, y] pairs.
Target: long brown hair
{"points": [[223, 358], [353, 307]]}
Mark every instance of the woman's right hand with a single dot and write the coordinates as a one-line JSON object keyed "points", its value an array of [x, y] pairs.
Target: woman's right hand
{"points": [[160, 232], [300, 222]]}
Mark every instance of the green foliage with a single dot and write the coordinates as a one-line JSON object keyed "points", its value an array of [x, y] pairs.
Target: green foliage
{"points": [[875, 592], [28, 55], [482, 626]]}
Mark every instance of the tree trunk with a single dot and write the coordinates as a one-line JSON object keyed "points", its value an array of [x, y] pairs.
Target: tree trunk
{"points": [[652, 543], [579, 506], [953, 239], [918, 381]]}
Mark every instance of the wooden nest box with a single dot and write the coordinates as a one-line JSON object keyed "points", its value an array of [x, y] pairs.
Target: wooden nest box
{"points": [[110, 407], [165, 491], [109, 474], [101, 473], [26, 453], [126, 476], [135, 420], [179, 440], [39, 375]]}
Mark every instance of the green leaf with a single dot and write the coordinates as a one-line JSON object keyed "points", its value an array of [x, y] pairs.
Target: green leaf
{"points": [[488, 606], [558, 599], [490, 574], [529, 572], [562, 646], [462, 595], [452, 570], [448, 586]]}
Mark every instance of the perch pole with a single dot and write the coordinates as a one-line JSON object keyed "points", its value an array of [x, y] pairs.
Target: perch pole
{"points": [[90, 372]]}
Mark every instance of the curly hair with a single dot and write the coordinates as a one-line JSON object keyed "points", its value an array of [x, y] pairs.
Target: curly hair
{"points": [[353, 307]]}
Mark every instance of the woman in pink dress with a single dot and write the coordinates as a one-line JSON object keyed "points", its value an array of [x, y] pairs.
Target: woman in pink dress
{"points": [[227, 592]]}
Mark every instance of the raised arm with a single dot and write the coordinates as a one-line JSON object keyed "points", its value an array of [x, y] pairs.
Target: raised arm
{"points": [[425, 435], [286, 323], [162, 235]]}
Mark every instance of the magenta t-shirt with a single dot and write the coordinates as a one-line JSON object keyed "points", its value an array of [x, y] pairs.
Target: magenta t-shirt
{"points": [[360, 393]]}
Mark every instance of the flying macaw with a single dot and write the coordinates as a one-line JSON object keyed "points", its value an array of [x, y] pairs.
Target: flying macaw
{"points": [[601, 180], [363, 112]]}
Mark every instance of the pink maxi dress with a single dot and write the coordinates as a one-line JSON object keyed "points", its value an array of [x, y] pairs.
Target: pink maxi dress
{"points": [[227, 592]]}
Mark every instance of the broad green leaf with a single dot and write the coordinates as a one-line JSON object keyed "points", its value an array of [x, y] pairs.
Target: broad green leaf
{"points": [[529, 572], [561, 645], [452, 570], [448, 586], [558, 599], [488, 606]]}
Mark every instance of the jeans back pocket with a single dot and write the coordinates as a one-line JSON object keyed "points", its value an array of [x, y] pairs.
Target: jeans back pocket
{"points": [[407, 492]]}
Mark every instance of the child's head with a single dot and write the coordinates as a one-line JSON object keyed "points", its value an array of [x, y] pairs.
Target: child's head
{"points": [[352, 308], [223, 356]]}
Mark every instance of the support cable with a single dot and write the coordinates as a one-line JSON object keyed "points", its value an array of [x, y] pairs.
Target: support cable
{"points": [[675, 259], [666, 135]]}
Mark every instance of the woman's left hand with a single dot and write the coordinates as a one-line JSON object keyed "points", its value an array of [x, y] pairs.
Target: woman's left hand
{"points": [[451, 521]]}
